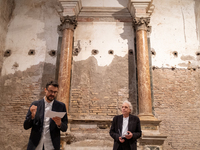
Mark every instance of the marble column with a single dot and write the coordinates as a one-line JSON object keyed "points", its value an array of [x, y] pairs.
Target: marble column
{"points": [[144, 85], [64, 78]]}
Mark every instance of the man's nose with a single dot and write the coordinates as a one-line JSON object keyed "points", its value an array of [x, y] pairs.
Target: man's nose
{"points": [[53, 93]]}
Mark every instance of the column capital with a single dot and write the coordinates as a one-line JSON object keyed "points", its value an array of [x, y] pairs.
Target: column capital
{"points": [[141, 8], [142, 23], [68, 22]]}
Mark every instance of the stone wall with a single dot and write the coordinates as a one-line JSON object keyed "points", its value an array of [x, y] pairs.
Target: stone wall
{"points": [[177, 103]]}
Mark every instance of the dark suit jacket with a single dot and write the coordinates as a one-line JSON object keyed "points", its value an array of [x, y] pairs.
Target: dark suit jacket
{"points": [[37, 124], [133, 126]]}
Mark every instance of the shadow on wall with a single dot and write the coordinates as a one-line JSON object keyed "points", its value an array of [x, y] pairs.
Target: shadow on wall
{"points": [[197, 16], [131, 52]]}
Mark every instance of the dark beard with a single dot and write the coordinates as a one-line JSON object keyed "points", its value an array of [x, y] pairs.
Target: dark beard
{"points": [[51, 99]]}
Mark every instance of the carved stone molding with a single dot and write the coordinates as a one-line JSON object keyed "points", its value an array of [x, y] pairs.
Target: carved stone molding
{"points": [[104, 14], [67, 22], [141, 8], [70, 7], [142, 24]]}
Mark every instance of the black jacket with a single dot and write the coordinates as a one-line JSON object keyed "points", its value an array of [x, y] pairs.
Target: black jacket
{"points": [[133, 126], [37, 124]]}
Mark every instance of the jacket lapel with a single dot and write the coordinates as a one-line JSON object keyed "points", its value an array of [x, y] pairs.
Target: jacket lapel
{"points": [[43, 109], [53, 109], [54, 106], [129, 123], [120, 124]]}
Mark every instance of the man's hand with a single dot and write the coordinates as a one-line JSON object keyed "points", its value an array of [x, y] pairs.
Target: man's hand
{"points": [[129, 135], [33, 110], [121, 140], [57, 120]]}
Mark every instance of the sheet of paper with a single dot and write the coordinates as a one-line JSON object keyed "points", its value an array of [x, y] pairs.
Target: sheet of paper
{"points": [[52, 114]]}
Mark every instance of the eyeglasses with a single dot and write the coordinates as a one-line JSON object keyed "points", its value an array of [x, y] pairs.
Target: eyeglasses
{"points": [[52, 92]]}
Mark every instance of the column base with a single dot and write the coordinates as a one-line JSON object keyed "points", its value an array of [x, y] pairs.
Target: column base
{"points": [[147, 117], [151, 137]]}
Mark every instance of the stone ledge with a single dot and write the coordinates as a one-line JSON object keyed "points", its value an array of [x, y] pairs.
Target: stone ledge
{"points": [[89, 120], [152, 139]]}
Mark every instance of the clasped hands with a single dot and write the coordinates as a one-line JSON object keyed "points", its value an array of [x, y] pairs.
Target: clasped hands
{"points": [[128, 136], [33, 110]]}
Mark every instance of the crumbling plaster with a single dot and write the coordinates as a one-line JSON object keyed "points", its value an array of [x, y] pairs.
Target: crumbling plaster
{"points": [[174, 29], [6, 9], [103, 36], [33, 26], [197, 13]]}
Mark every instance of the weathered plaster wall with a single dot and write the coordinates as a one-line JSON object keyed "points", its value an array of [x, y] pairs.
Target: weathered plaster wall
{"points": [[24, 73], [100, 81], [33, 27], [174, 30], [6, 9], [197, 14], [176, 85]]}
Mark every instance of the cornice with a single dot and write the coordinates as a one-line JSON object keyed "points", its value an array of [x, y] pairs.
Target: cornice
{"points": [[70, 7], [104, 12], [140, 8]]}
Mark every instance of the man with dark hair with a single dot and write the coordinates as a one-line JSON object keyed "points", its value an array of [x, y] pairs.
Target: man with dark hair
{"points": [[45, 132], [125, 129]]}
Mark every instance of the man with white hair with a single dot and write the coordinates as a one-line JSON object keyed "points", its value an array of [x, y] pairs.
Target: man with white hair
{"points": [[125, 129]]}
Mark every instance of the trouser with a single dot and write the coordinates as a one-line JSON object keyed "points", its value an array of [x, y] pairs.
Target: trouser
{"points": [[124, 146]]}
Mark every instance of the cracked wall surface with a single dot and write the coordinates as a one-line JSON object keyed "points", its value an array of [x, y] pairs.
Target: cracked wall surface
{"points": [[174, 30], [197, 14]]}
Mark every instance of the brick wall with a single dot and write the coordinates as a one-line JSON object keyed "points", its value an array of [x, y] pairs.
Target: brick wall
{"points": [[18, 91], [98, 92], [177, 104]]}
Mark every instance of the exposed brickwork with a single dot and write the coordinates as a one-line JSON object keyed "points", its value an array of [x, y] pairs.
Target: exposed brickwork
{"points": [[18, 91], [98, 92], [85, 102], [177, 104]]}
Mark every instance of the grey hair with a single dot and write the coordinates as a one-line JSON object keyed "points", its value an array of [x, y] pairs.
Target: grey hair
{"points": [[130, 105]]}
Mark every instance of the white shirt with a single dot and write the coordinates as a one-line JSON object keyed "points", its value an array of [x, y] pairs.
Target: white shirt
{"points": [[46, 137], [125, 126]]}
